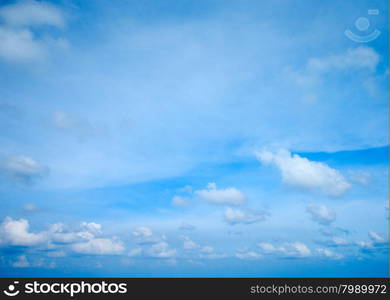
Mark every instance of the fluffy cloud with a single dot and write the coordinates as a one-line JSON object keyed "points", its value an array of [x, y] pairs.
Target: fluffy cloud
{"points": [[301, 172], [228, 196], [294, 249], [321, 214], [22, 169], [85, 241], [239, 216], [16, 233], [99, 246], [18, 42]]}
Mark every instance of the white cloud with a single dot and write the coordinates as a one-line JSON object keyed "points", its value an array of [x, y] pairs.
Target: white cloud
{"points": [[16, 233], [248, 255], [188, 244], [329, 254], [142, 232], [294, 249], [32, 13], [92, 227], [180, 201], [321, 214], [228, 196], [356, 58], [29, 207], [186, 226], [267, 247], [300, 172], [18, 42], [22, 169], [99, 246], [338, 241], [206, 249], [375, 237], [239, 216], [162, 250], [60, 234], [22, 262], [20, 45]]}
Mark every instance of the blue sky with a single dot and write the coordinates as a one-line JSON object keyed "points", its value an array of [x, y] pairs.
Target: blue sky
{"points": [[193, 138]]}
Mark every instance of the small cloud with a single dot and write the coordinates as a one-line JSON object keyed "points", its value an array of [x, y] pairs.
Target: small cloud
{"points": [[22, 169], [375, 237], [227, 196], [29, 207], [329, 254], [180, 201], [355, 58], [162, 250], [288, 250], [321, 214], [186, 226], [240, 216], [250, 255], [300, 172], [56, 254], [22, 262], [135, 252], [99, 246]]}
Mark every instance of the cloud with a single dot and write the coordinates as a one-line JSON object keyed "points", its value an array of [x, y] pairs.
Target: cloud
{"points": [[99, 246], [20, 45], [18, 42], [22, 262], [32, 13], [228, 196], [338, 241], [321, 214], [288, 250], [248, 255], [59, 233], [59, 253], [355, 58], [190, 245], [186, 226], [30, 207], [300, 172], [240, 216], [16, 233], [142, 232], [23, 169], [180, 201], [162, 250], [375, 237], [135, 252], [329, 254]]}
